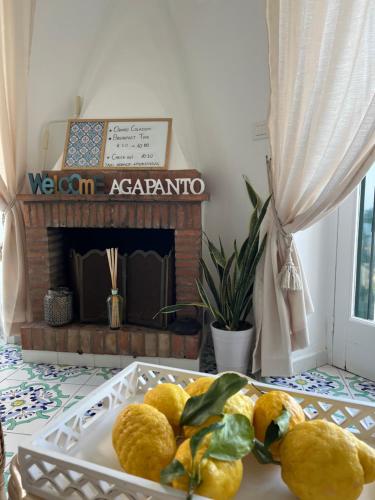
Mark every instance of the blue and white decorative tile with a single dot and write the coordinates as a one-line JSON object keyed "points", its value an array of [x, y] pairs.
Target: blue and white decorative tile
{"points": [[329, 382], [82, 391], [85, 142], [25, 406], [317, 380], [101, 375], [10, 360], [54, 373], [90, 413], [93, 411], [310, 411], [360, 388], [10, 356]]}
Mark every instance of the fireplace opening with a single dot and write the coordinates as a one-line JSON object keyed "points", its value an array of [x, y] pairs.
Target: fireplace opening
{"points": [[146, 271]]}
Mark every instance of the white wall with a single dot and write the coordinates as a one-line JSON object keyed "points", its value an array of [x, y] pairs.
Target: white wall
{"points": [[317, 249], [60, 46], [121, 56], [204, 62], [225, 49]]}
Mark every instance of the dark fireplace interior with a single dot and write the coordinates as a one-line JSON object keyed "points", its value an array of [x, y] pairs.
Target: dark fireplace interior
{"points": [[146, 271]]}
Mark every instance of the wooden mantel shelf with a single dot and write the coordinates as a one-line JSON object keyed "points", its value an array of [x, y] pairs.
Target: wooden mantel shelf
{"points": [[40, 198]]}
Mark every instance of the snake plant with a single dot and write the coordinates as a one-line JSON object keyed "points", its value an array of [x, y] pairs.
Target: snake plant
{"points": [[227, 294]]}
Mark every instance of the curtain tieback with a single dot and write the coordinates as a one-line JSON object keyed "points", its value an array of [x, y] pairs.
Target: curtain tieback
{"points": [[289, 277], [9, 207]]}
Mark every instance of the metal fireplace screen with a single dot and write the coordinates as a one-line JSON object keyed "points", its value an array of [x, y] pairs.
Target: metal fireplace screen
{"points": [[145, 280], [92, 284]]}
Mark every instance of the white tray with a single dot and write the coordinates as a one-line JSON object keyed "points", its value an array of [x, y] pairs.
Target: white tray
{"points": [[72, 457]]}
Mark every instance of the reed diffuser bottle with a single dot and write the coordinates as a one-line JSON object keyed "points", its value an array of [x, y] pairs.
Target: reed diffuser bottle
{"points": [[114, 301]]}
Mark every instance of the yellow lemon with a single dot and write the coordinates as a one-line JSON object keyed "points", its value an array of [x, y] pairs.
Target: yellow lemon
{"points": [[238, 403], [320, 460], [199, 386], [170, 399], [219, 480], [268, 407], [366, 456], [143, 440]]}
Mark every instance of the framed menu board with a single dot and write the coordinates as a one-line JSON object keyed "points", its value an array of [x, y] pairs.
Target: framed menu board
{"points": [[138, 143]]}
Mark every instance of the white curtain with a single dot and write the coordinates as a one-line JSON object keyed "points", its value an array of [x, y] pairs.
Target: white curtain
{"points": [[321, 125], [16, 18]]}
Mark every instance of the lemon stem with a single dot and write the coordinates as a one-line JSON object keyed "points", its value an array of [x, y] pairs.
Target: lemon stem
{"points": [[190, 494]]}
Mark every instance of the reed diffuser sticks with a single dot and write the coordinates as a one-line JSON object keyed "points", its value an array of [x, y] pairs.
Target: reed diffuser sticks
{"points": [[112, 255], [114, 312]]}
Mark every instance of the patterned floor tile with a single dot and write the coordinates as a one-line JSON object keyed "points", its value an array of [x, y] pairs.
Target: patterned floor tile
{"points": [[360, 388], [10, 360], [12, 441], [8, 373], [318, 380], [76, 375], [91, 412], [32, 394], [25, 405], [329, 370], [101, 375], [79, 395], [10, 356]]}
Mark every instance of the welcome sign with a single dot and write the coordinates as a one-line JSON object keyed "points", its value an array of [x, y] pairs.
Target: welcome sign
{"points": [[76, 184]]}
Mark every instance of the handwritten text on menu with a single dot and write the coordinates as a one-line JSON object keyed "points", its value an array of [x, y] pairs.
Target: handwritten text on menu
{"points": [[142, 144]]}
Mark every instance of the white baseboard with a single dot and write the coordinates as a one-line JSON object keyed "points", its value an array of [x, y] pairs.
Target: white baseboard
{"points": [[103, 360], [309, 361], [31, 356]]}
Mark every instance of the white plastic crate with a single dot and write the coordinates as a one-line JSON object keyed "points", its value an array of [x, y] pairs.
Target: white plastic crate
{"points": [[73, 458]]}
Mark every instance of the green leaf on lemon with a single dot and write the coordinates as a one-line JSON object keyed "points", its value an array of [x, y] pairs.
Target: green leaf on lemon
{"points": [[172, 471], [277, 428], [262, 454], [199, 408], [233, 440], [196, 440]]}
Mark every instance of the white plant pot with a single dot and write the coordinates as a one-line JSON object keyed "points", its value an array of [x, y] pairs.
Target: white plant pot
{"points": [[232, 349]]}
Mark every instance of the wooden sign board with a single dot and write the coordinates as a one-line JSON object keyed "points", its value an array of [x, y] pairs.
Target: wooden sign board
{"points": [[139, 143]]}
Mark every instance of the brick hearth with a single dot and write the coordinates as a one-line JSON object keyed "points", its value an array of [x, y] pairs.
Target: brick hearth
{"points": [[45, 212], [130, 340]]}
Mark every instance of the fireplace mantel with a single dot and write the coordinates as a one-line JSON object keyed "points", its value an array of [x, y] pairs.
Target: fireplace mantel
{"points": [[97, 198], [43, 214]]}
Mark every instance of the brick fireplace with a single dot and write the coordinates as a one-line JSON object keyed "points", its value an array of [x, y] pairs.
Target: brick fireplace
{"points": [[47, 216]]}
